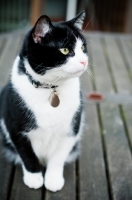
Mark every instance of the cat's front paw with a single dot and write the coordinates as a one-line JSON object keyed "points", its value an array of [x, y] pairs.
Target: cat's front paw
{"points": [[33, 180], [53, 182]]}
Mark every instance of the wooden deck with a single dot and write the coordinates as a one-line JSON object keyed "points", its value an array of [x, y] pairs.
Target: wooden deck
{"points": [[104, 169]]}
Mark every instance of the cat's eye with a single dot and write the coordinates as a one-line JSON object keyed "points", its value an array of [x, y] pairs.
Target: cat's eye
{"points": [[65, 51], [83, 47]]}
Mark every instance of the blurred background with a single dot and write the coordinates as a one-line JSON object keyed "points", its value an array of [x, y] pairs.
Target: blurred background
{"points": [[101, 15]]}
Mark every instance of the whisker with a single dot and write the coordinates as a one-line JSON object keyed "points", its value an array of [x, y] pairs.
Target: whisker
{"points": [[61, 76], [41, 70], [91, 41], [57, 63], [69, 38], [91, 65], [89, 71], [63, 42], [88, 24], [38, 66], [91, 75], [34, 63], [89, 58]]}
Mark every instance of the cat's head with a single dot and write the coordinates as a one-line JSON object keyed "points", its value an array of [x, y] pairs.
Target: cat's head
{"points": [[55, 51]]}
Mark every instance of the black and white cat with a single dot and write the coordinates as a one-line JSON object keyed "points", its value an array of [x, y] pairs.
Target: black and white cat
{"points": [[41, 106]]}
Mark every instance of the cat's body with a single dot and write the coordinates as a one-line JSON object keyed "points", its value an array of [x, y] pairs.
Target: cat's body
{"points": [[35, 132]]}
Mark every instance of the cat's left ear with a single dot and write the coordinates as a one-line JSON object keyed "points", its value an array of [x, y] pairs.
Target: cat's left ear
{"points": [[41, 28], [78, 20]]}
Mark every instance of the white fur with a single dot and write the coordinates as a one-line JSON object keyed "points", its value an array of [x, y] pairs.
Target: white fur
{"points": [[32, 180], [54, 180], [53, 140]]}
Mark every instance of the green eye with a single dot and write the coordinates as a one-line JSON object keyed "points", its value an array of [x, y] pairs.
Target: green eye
{"points": [[65, 51], [83, 47]]}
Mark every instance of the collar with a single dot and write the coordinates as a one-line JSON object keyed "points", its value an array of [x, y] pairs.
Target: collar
{"points": [[37, 84]]}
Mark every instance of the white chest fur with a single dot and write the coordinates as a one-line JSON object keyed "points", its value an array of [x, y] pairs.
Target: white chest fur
{"points": [[54, 124]]}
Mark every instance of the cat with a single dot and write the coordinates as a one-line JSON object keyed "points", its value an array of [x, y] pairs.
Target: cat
{"points": [[41, 107]]}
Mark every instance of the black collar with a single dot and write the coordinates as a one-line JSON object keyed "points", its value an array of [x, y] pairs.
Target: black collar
{"points": [[37, 84]]}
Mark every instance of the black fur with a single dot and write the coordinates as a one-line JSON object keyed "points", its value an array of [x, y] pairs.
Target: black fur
{"points": [[18, 119], [14, 110]]}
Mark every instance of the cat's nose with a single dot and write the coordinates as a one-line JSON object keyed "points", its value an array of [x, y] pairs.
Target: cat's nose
{"points": [[83, 63]]}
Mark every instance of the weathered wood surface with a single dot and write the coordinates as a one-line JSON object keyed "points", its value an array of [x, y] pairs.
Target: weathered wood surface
{"points": [[104, 169], [118, 156]]}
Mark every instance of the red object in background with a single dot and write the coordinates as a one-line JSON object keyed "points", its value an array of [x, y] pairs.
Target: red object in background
{"points": [[96, 96]]}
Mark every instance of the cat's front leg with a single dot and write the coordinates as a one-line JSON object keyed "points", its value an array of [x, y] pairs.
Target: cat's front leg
{"points": [[32, 175], [32, 180], [54, 180]]}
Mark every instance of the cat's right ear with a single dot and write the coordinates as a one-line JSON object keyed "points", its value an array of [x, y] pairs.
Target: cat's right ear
{"points": [[42, 26]]}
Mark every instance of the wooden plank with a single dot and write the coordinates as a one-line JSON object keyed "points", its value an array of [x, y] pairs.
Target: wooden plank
{"points": [[117, 149], [93, 181], [2, 44], [8, 53], [118, 153], [6, 168], [69, 189], [117, 98], [100, 64], [7, 58], [5, 175], [115, 141], [21, 191], [125, 45], [123, 74], [120, 73], [127, 115]]}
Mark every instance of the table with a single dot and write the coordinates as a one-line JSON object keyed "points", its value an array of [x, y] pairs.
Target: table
{"points": [[104, 168]]}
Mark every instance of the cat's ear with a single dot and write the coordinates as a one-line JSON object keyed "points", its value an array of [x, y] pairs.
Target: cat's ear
{"points": [[78, 20], [42, 26]]}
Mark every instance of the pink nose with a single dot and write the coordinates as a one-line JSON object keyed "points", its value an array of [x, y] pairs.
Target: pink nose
{"points": [[83, 63]]}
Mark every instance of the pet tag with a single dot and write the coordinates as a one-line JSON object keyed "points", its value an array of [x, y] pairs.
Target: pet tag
{"points": [[54, 99]]}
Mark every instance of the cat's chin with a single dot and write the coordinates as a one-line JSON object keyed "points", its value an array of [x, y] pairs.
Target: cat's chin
{"points": [[69, 75], [76, 74]]}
